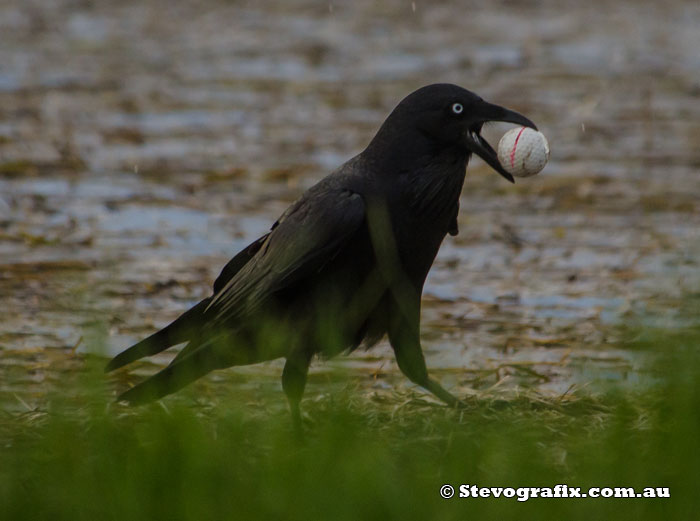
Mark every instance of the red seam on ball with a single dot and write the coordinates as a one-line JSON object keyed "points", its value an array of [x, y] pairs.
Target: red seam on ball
{"points": [[515, 145]]}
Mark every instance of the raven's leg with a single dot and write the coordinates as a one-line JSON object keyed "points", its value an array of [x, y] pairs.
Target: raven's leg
{"points": [[293, 382], [412, 364], [404, 310], [404, 336]]}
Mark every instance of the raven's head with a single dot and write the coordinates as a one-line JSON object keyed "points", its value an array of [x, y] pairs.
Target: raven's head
{"points": [[450, 116]]}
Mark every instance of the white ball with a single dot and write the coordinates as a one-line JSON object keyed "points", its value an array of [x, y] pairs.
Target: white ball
{"points": [[523, 151]]}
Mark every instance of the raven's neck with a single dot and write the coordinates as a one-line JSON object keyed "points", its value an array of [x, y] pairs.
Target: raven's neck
{"points": [[427, 210], [397, 150], [419, 184], [432, 190], [430, 175]]}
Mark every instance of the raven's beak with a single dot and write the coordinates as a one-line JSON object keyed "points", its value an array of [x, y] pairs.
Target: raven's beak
{"points": [[483, 113]]}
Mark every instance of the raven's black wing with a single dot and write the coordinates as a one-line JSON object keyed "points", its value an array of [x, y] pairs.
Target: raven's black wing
{"points": [[307, 236]]}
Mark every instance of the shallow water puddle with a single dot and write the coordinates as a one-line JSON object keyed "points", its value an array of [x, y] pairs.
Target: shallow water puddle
{"points": [[141, 147]]}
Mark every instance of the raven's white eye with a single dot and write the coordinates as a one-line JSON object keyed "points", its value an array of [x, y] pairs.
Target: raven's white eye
{"points": [[457, 108]]}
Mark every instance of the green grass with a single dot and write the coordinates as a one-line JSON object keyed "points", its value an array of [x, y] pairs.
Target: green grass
{"points": [[81, 457]]}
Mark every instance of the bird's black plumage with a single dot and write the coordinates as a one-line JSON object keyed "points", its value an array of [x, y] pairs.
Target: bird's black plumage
{"points": [[346, 263]]}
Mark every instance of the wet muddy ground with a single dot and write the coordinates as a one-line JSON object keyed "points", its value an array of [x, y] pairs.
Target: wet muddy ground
{"points": [[142, 144]]}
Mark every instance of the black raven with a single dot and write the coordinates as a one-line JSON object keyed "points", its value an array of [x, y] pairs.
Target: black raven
{"points": [[345, 263]]}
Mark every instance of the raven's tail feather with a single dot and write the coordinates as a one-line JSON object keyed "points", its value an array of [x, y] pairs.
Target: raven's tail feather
{"points": [[180, 330], [173, 378]]}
